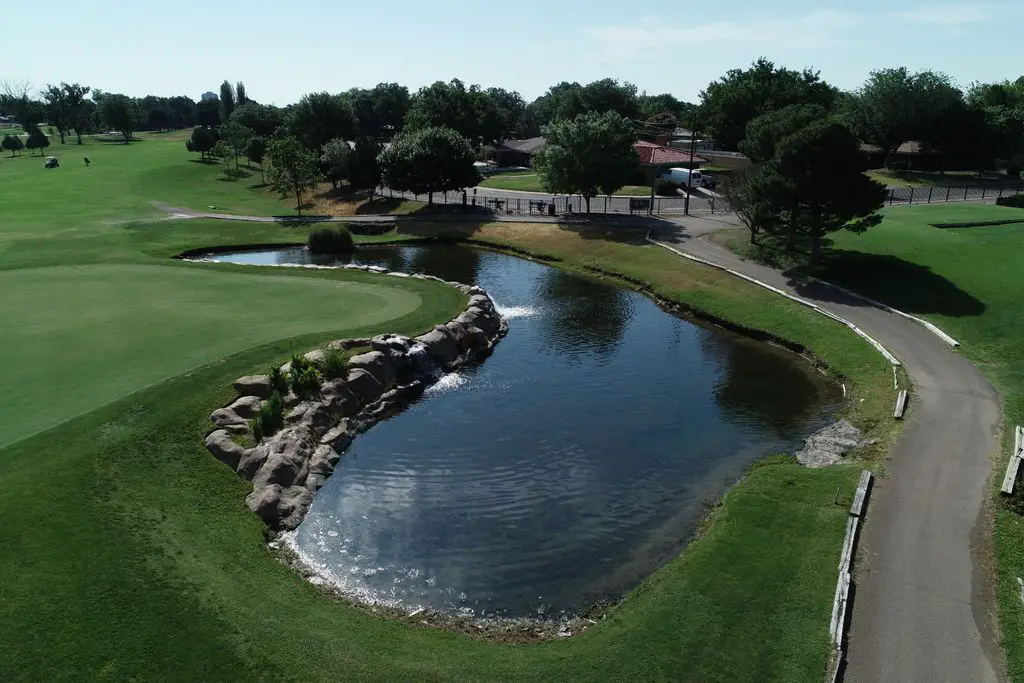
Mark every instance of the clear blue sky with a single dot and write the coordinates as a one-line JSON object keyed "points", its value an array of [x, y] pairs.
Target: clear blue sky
{"points": [[282, 50]]}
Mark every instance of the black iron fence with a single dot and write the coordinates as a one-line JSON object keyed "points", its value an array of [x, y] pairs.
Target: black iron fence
{"points": [[933, 195], [539, 205]]}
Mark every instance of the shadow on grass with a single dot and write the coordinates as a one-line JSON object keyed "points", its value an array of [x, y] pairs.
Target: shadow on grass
{"points": [[204, 162], [234, 175], [907, 286]]}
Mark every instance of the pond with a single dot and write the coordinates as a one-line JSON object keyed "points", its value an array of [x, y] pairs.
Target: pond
{"points": [[565, 468]]}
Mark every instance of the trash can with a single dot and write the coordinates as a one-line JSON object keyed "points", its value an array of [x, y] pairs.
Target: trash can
{"points": [[551, 208]]}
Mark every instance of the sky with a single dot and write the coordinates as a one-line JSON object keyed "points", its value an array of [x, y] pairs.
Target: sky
{"points": [[187, 47]]}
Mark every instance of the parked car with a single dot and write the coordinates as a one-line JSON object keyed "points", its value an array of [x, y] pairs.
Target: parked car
{"points": [[683, 177]]}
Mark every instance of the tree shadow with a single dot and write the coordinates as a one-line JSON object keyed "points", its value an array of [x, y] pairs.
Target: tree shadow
{"points": [[379, 205], [233, 175], [204, 162], [909, 287]]}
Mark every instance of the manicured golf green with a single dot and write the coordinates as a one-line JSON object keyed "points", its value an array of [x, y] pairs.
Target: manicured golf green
{"points": [[969, 282], [129, 552]]}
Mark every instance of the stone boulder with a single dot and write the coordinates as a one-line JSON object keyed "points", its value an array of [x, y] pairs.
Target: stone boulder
{"points": [[339, 398], [377, 364], [313, 414], [340, 436], [252, 460], [478, 341], [459, 334], [440, 345], [288, 454], [246, 407], [220, 444], [253, 385], [323, 461], [347, 344], [481, 301], [225, 417], [485, 320], [281, 507], [366, 388], [828, 446]]}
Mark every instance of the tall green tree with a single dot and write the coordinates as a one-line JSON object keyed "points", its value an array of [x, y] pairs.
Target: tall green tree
{"points": [[730, 103], [208, 113], [119, 113], [813, 185], [590, 155], [364, 169], [240, 96], [895, 106], [319, 117], [257, 152], [429, 160], [446, 105], [293, 169], [227, 100], [12, 143], [64, 104], [36, 139], [765, 132], [236, 136], [202, 141], [335, 158], [260, 119]]}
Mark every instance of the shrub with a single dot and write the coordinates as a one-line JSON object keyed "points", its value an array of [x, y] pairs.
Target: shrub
{"points": [[304, 377], [278, 380], [1015, 201], [331, 240], [334, 364], [270, 418]]}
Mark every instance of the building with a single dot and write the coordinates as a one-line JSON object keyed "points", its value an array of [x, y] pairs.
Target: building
{"points": [[514, 152], [208, 96]]}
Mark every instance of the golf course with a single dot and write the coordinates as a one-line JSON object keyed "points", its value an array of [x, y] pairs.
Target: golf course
{"points": [[134, 555]]}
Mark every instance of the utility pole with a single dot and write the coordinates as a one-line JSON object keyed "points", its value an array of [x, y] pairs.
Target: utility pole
{"points": [[693, 150]]}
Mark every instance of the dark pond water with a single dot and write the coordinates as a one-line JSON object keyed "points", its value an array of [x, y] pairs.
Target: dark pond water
{"points": [[569, 465]]}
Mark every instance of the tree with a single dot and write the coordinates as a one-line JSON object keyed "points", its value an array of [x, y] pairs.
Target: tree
{"points": [[813, 185], [334, 161], [240, 97], [319, 117], [119, 113], [729, 104], [224, 151], [429, 160], [764, 132], [589, 155], [293, 170], [64, 104], [202, 141], [227, 100], [257, 152], [895, 106], [14, 99], [12, 143], [446, 105], [236, 136], [260, 119], [208, 113], [565, 101], [364, 169], [37, 139], [499, 111], [655, 105], [390, 104]]}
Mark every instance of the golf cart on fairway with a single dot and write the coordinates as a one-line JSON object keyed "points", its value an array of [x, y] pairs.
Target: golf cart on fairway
{"points": [[51, 162]]}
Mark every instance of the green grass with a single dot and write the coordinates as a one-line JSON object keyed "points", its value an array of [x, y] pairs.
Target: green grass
{"points": [[968, 281], [527, 181], [131, 552], [936, 179]]}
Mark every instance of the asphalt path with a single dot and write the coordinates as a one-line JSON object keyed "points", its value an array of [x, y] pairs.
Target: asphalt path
{"points": [[922, 608]]}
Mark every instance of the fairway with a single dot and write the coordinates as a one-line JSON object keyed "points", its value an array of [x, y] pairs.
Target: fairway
{"points": [[531, 182], [88, 335]]}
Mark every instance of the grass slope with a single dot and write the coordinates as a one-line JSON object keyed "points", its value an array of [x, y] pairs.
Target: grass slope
{"points": [[968, 282]]}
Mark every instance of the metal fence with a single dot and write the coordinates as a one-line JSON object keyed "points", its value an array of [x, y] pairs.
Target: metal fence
{"points": [[942, 195], [494, 202]]}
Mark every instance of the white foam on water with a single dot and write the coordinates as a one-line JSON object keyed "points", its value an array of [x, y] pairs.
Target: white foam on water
{"points": [[446, 383], [510, 312]]}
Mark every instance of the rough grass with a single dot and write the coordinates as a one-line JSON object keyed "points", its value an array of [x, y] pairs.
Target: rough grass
{"points": [[969, 282], [935, 179]]}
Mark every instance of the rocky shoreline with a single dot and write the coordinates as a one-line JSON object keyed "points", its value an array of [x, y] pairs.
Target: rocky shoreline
{"points": [[288, 467]]}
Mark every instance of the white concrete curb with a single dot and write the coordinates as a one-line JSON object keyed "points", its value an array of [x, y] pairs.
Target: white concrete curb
{"points": [[921, 321], [841, 600], [878, 346]]}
